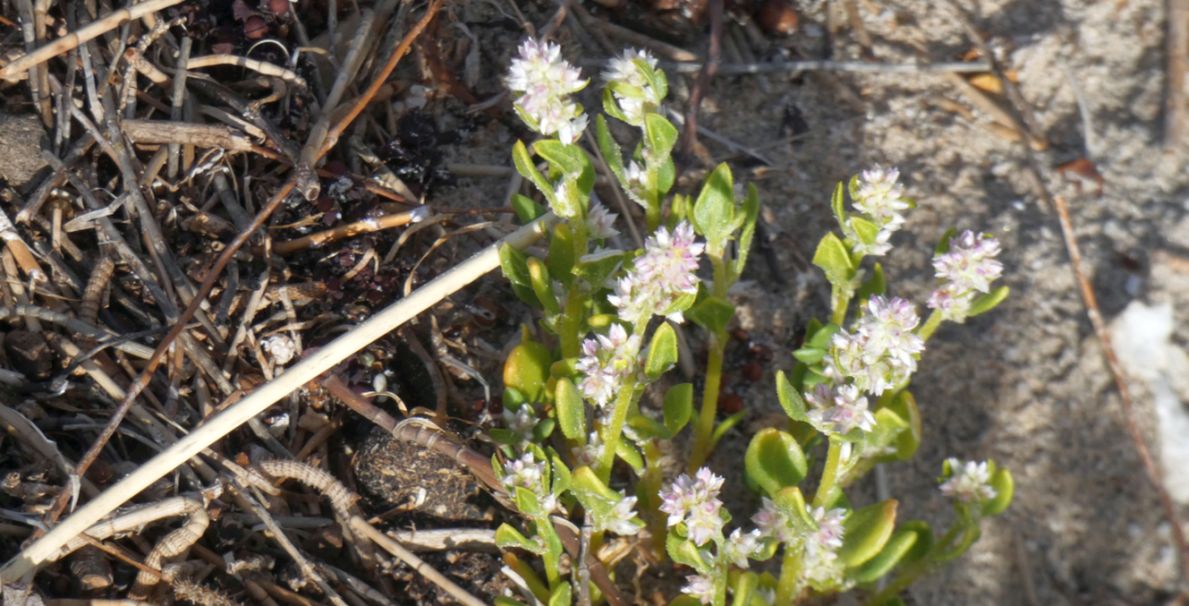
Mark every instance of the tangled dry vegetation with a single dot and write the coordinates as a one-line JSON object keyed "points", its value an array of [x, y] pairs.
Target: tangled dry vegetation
{"points": [[214, 216]]}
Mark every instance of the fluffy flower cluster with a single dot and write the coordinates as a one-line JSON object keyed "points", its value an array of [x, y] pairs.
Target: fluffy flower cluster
{"points": [[666, 272], [526, 472], [879, 196], [620, 519], [632, 91], [543, 82], [606, 363], [821, 545], [694, 502], [881, 351], [600, 222], [521, 422], [838, 410], [820, 541], [967, 269], [970, 481], [699, 587]]}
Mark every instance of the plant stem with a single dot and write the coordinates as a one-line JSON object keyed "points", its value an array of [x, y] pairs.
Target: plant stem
{"points": [[704, 429], [790, 578], [827, 487], [647, 491], [612, 432], [930, 326]]}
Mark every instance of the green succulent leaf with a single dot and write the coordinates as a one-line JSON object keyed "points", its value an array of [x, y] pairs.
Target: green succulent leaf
{"points": [[612, 153], [809, 355], [679, 407], [587, 486], [561, 595], [791, 501], [596, 268], [648, 428], [565, 158], [888, 427], [628, 454], [867, 531], [683, 551], [875, 284], [666, 175], [943, 245], [527, 502], [527, 369], [714, 210], [527, 169], [751, 213], [507, 537], [538, 276], [774, 461], [743, 588], [1004, 487], [561, 256], [514, 264], [866, 231], [571, 410], [662, 352], [837, 202], [984, 303], [527, 210], [561, 475], [713, 314], [660, 134], [898, 546], [790, 399], [905, 407], [833, 257]]}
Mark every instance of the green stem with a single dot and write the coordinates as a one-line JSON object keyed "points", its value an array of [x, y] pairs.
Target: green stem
{"points": [[930, 326], [612, 432], [840, 305], [652, 215], [720, 582], [704, 429], [790, 578], [647, 492], [828, 486]]}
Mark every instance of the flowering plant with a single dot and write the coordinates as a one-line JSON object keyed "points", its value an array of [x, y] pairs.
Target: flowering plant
{"points": [[575, 385]]}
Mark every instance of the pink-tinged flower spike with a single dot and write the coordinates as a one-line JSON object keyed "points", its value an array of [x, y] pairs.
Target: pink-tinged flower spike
{"points": [[642, 97], [879, 196], [621, 519], [544, 81], [773, 523], [606, 363], [665, 272], [968, 268], [741, 546], [700, 588], [600, 222], [524, 472], [882, 350], [695, 503], [838, 410], [822, 544], [970, 481]]}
